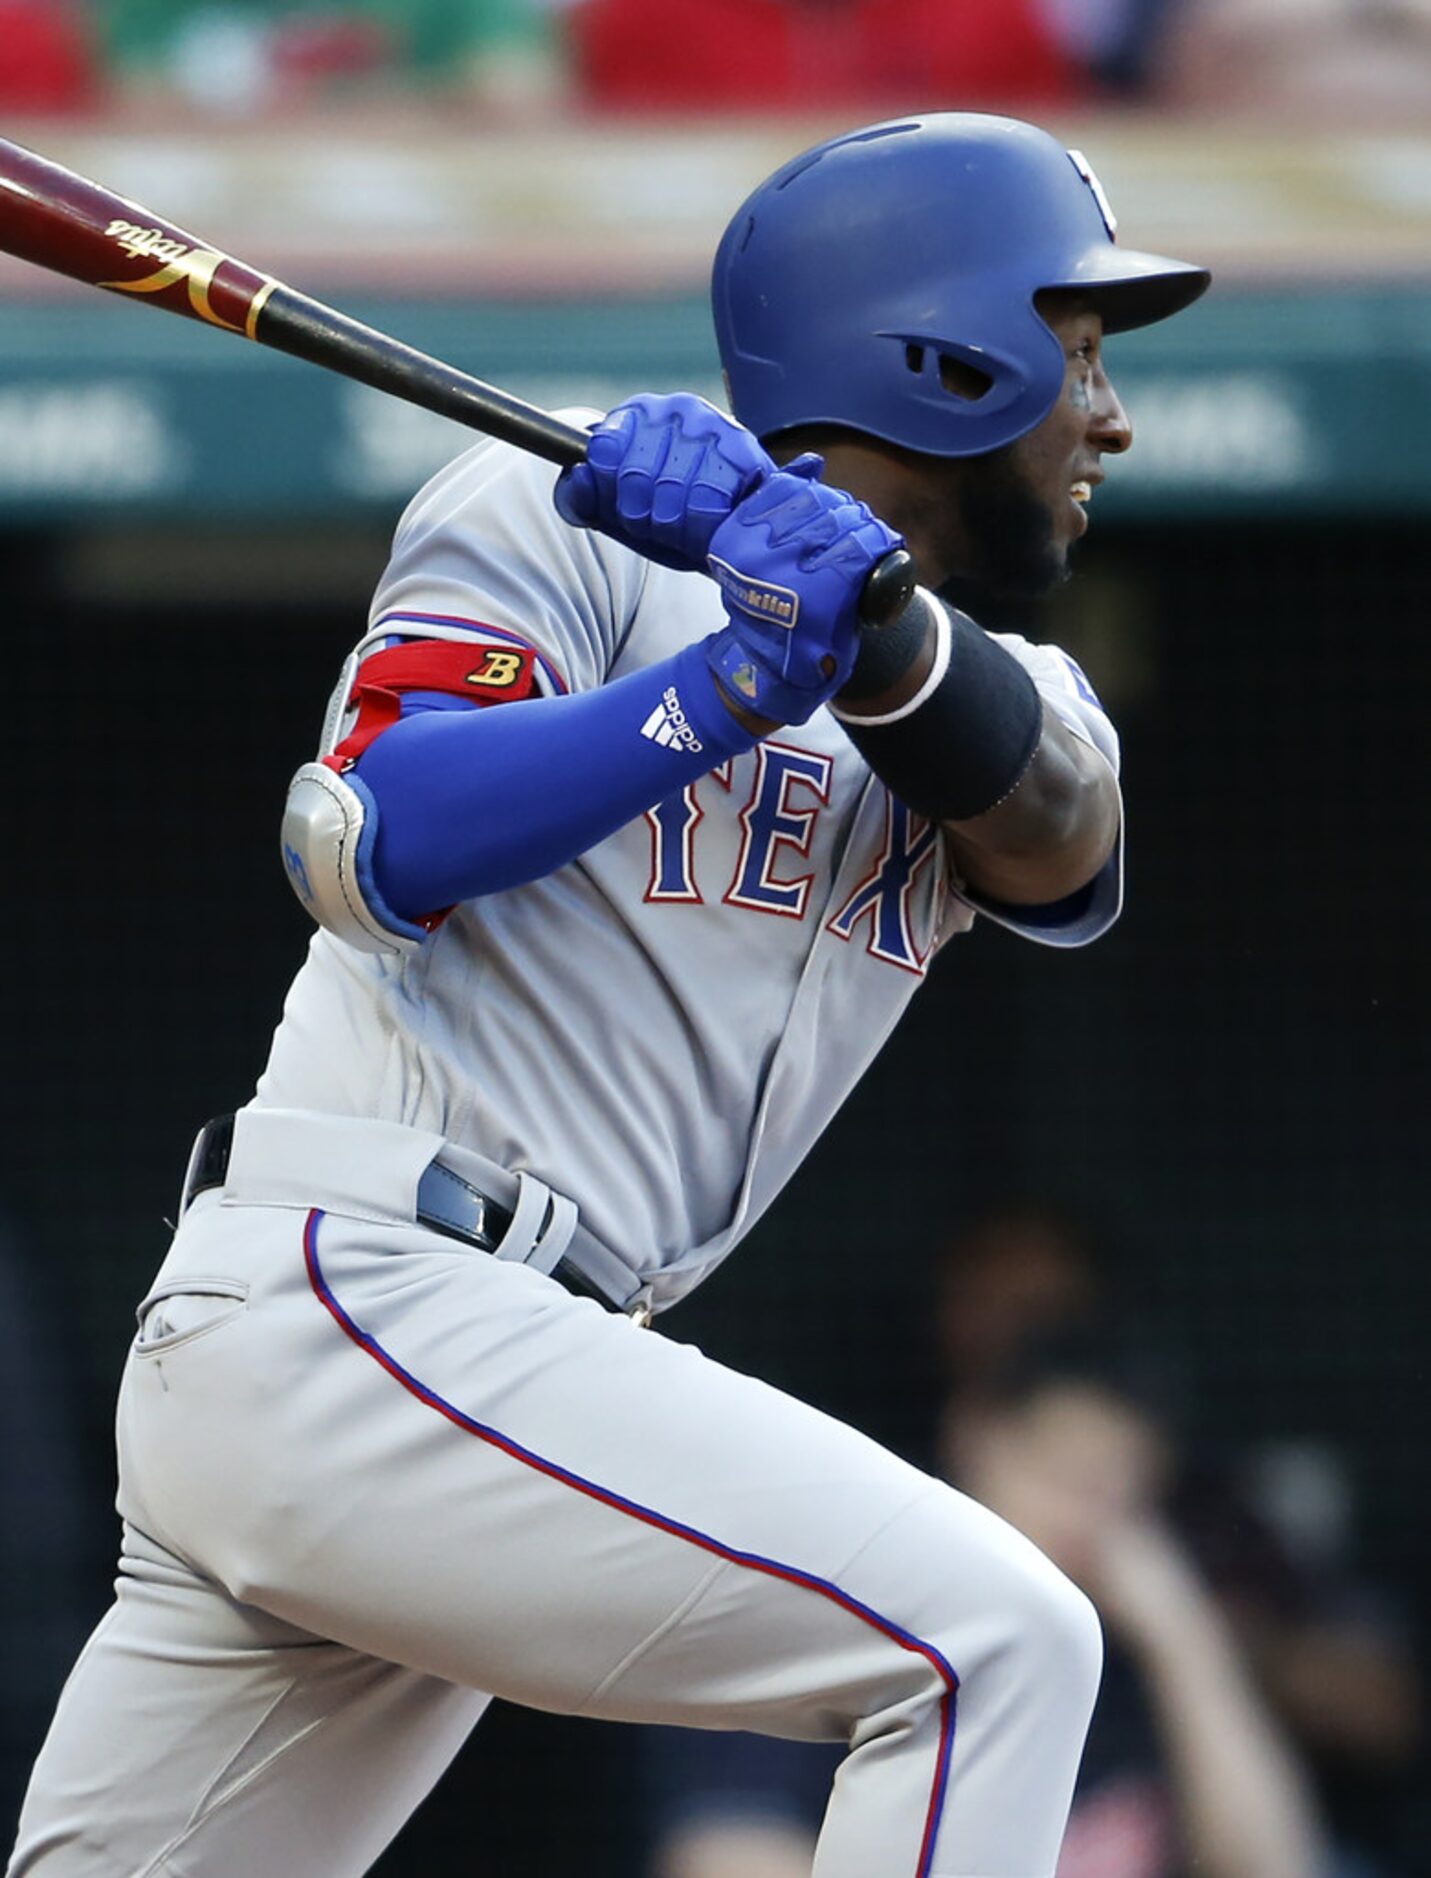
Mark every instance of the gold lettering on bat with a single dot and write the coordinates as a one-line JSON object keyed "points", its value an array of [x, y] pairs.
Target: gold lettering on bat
{"points": [[196, 266], [136, 240]]}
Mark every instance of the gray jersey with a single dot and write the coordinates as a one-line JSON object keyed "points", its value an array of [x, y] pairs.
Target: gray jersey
{"points": [[662, 1028]]}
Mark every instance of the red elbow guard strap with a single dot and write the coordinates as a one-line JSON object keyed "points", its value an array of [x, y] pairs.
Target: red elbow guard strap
{"points": [[484, 674]]}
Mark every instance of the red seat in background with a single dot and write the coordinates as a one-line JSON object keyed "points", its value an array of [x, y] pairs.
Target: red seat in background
{"points": [[47, 58], [739, 55]]}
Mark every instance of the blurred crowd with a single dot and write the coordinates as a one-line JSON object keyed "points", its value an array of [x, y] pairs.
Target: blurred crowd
{"points": [[245, 58]]}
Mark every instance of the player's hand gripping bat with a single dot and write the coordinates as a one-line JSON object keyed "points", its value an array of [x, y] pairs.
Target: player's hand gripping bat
{"points": [[61, 221]]}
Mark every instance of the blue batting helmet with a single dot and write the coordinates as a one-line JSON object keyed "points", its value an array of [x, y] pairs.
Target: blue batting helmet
{"points": [[885, 281]]}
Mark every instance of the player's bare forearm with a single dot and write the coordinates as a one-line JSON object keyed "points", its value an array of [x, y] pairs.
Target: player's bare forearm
{"points": [[1056, 826], [1052, 834]]}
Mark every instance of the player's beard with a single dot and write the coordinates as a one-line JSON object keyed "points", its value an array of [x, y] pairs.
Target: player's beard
{"points": [[1010, 532]]}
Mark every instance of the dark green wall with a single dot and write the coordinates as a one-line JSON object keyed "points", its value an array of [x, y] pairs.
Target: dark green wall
{"points": [[1261, 402]]}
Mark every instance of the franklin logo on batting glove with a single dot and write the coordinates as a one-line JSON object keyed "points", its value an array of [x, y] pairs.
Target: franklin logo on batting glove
{"points": [[759, 599]]}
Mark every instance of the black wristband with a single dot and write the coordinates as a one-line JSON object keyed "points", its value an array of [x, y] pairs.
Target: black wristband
{"points": [[964, 741], [886, 655]]}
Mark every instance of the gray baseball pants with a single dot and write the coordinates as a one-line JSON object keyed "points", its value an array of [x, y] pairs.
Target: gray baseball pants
{"points": [[370, 1477]]}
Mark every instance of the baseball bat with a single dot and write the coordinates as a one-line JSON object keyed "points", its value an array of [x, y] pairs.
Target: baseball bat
{"points": [[61, 221]]}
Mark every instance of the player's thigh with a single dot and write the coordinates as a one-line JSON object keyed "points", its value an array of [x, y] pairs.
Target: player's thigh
{"points": [[448, 1462], [199, 1737]]}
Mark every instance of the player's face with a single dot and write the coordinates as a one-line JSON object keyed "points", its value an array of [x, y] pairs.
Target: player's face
{"points": [[1060, 461], [1023, 507]]}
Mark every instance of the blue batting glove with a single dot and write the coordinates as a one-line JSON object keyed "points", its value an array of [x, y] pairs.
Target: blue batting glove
{"points": [[661, 474], [791, 562]]}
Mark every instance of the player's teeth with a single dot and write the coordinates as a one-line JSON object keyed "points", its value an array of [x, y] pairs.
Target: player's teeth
{"points": [[1082, 492]]}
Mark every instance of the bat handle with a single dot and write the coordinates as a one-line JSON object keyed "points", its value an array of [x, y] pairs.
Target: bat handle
{"points": [[888, 590], [543, 434]]}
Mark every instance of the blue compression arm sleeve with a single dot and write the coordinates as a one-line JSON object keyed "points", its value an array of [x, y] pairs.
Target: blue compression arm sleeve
{"points": [[472, 801]]}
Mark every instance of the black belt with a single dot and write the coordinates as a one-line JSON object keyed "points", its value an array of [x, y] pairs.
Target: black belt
{"points": [[446, 1203]]}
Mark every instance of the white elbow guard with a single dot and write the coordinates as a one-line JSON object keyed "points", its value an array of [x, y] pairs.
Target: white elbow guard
{"points": [[328, 829]]}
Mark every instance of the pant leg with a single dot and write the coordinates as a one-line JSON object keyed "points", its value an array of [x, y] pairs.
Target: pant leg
{"points": [[201, 1738], [444, 1462]]}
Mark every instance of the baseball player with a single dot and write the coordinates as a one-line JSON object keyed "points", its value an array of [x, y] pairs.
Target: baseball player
{"points": [[627, 848]]}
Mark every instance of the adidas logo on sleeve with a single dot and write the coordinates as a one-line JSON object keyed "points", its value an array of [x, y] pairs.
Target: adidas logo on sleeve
{"points": [[669, 726]]}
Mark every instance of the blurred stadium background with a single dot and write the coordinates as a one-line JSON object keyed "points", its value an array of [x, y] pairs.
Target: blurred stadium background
{"points": [[1231, 1092]]}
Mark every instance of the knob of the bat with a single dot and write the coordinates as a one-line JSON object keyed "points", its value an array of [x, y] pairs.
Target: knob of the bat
{"points": [[888, 589]]}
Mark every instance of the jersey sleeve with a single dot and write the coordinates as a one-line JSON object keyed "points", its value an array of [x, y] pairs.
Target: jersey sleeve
{"points": [[1064, 686], [490, 598], [481, 549], [1087, 914]]}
